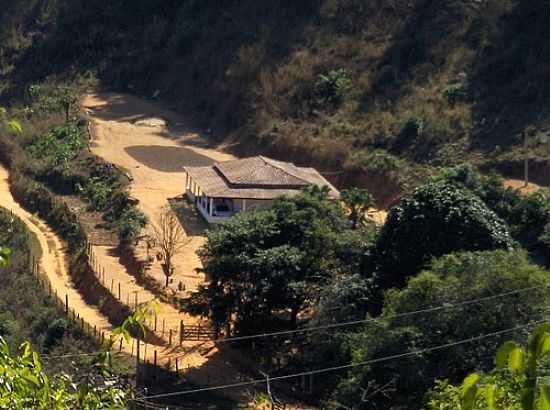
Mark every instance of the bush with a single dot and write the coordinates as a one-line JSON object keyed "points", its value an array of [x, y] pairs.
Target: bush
{"points": [[332, 87], [57, 147], [131, 222], [438, 219], [451, 279]]}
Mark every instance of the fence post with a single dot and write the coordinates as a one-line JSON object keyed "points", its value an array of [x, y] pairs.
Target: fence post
{"points": [[170, 338], [112, 284], [120, 345], [119, 298], [66, 304], [137, 362], [181, 331], [155, 321], [155, 362], [177, 367]]}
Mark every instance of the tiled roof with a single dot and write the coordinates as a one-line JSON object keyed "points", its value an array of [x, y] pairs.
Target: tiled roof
{"points": [[256, 178]]}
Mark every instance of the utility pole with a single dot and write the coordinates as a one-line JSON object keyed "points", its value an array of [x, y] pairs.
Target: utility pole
{"points": [[526, 159]]}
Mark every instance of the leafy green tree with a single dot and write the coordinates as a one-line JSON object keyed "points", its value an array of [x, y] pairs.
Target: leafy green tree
{"points": [[526, 215], [358, 201], [439, 218], [265, 263], [518, 382], [451, 279], [67, 100]]}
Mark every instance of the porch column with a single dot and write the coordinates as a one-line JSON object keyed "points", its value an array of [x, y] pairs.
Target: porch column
{"points": [[244, 205], [211, 205], [186, 181]]}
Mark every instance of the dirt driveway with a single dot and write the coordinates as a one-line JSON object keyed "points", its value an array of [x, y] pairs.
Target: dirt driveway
{"points": [[152, 145]]}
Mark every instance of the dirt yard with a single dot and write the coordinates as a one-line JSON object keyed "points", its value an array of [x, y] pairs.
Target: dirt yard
{"points": [[153, 146]]}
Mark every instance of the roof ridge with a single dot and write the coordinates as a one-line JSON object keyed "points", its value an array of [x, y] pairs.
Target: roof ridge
{"points": [[271, 161]]}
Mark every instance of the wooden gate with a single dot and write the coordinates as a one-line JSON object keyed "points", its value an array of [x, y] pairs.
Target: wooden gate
{"points": [[197, 332]]}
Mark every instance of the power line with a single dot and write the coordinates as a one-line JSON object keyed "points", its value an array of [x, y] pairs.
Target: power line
{"points": [[349, 365], [444, 306]]}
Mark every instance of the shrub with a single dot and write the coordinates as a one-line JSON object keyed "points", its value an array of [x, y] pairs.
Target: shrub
{"points": [[57, 147], [332, 87], [454, 93], [97, 193], [131, 222]]}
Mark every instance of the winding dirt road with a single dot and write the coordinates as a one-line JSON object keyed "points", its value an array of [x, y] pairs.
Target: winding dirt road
{"points": [[53, 263]]}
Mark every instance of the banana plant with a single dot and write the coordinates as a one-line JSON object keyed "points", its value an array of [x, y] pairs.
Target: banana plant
{"points": [[523, 366], [4, 256], [14, 126]]}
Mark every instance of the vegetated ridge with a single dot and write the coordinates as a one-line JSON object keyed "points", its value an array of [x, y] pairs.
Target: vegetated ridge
{"points": [[383, 90]]}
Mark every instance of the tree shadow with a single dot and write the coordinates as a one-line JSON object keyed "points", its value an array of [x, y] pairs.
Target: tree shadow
{"points": [[415, 51], [511, 76], [182, 48]]}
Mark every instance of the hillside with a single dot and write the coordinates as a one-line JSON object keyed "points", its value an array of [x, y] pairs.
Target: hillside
{"points": [[383, 89]]}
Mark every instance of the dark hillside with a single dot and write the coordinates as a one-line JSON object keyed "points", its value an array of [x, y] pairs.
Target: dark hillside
{"points": [[386, 89]]}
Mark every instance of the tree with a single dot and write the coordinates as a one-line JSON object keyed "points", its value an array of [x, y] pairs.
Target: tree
{"points": [[358, 202], [525, 215], [451, 279], [170, 237], [67, 100], [517, 382], [269, 264], [439, 218]]}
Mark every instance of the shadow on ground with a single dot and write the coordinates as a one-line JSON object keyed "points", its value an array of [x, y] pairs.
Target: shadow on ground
{"points": [[167, 159]]}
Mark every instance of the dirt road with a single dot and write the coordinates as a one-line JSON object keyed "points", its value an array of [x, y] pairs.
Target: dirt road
{"points": [[53, 261], [153, 146]]}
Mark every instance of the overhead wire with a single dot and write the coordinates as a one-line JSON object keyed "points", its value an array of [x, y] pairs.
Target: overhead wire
{"points": [[444, 306], [349, 365]]}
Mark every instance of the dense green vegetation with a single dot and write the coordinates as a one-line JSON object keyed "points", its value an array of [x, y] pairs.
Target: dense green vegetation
{"points": [[49, 157], [309, 261], [516, 382], [384, 91], [387, 87], [31, 325]]}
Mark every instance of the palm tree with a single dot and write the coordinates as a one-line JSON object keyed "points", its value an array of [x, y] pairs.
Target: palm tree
{"points": [[358, 201]]}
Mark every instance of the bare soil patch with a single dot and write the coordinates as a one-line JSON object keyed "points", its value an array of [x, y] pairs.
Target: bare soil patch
{"points": [[96, 228], [167, 159]]}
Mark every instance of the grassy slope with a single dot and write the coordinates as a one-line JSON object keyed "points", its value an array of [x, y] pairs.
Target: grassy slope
{"points": [[248, 69]]}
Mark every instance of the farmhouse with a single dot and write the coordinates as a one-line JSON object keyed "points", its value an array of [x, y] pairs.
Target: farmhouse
{"points": [[226, 188]]}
